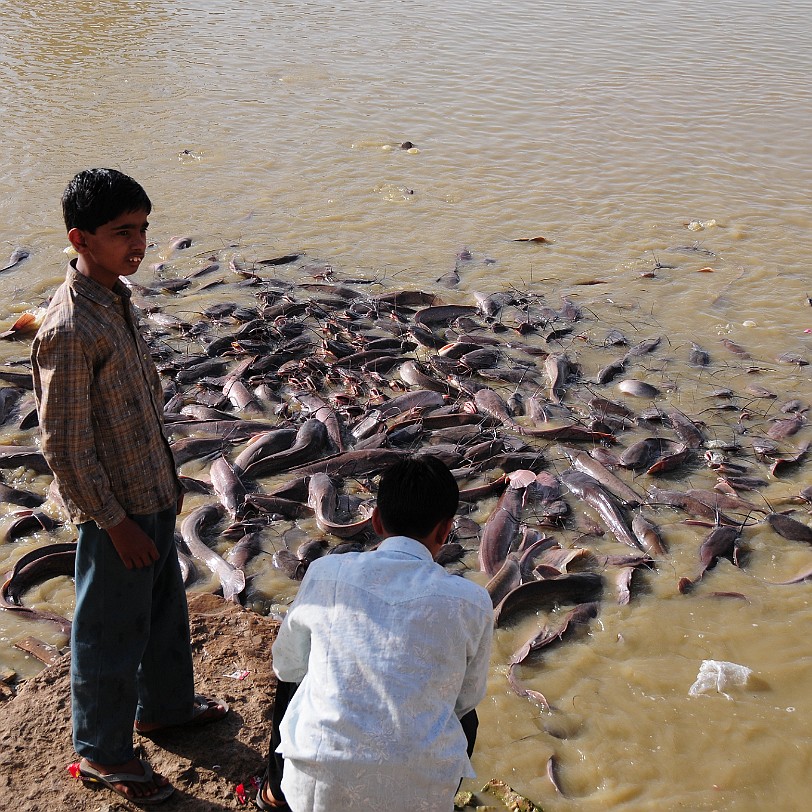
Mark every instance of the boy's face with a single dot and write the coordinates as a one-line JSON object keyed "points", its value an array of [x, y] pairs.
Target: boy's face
{"points": [[115, 249]]}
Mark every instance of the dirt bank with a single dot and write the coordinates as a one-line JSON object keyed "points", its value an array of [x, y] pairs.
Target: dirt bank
{"points": [[204, 764]]}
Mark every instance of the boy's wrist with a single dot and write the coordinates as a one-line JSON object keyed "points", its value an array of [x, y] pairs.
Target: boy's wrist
{"points": [[111, 519]]}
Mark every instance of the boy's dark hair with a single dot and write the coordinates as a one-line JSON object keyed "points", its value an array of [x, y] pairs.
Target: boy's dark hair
{"points": [[97, 196], [415, 495]]}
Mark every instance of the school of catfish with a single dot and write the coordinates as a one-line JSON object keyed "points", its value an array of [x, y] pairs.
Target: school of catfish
{"points": [[297, 394]]}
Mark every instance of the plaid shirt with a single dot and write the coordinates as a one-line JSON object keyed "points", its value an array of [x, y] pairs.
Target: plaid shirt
{"points": [[100, 406]]}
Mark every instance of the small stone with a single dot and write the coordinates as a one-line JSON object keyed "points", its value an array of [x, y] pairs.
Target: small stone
{"points": [[463, 799]]}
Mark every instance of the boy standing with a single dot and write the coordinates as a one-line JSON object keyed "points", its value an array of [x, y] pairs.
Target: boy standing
{"points": [[100, 409], [391, 652]]}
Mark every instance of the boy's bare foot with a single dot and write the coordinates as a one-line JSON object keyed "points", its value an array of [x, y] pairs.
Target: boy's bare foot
{"points": [[134, 780]]}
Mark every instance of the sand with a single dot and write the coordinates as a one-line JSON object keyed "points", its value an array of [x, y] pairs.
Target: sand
{"points": [[205, 764]]}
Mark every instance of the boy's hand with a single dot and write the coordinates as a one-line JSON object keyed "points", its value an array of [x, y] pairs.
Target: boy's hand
{"points": [[134, 547]]}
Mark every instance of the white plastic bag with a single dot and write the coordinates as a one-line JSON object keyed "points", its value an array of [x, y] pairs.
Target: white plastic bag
{"points": [[718, 675]]}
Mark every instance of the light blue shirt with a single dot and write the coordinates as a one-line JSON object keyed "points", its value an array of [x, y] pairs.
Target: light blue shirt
{"points": [[391, 650]]}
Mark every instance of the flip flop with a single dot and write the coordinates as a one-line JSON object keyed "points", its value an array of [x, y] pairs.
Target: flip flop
{"points": [[279, 806], [205, 711], [90, 775]]}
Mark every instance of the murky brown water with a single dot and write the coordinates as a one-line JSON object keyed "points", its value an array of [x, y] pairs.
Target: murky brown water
{"points": [[625, 134]]}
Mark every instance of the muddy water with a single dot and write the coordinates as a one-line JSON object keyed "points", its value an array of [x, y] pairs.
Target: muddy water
{"points": [[662, 152]]}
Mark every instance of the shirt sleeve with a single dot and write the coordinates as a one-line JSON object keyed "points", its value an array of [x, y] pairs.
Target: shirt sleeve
{"points": [[291, 649], [475, 682], [63, 379]]}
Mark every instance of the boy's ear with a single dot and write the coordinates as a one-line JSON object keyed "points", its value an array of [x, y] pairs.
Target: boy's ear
{"points": [[77, 239], [377, 524], [444, 530]]}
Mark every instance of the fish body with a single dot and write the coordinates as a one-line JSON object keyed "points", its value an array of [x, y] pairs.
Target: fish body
{"points": [[548, 593], [310, 444], [501, 530], [557, 367], [228, 487], [789, 528], [582, 462], [232, 580], [648, 536], [593, 494]]}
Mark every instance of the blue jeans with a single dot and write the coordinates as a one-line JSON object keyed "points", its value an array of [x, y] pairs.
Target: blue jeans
{"points": [[130, 652]]}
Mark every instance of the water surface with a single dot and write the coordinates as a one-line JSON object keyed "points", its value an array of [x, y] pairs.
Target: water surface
{"points": [[662, 149]]}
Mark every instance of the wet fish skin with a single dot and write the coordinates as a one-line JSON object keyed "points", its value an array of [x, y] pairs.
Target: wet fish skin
{"points": [[490, 402], [322, 497], [27, 521], [691, 505], [352, 463], [572, 588], [13, 456], [323, 411], [583, 462], [17, 256], [188, 570], [232, 580], [290, 564], [501, 530], [481, 358], [270, 504], [579, 616], [590, 491], [721, 543], [644, 453], [195, 448], [646, 346], [16, 496], [685, 429], [638, 389], [424, 400], [312, 549], [782, 429], [442, 314], [610, 371], [505, 579], [557, 367], [425, 337], [698, 357], [36, 566], [228, 487], [670, 461], [735, 348], [248, 547], [450, 552], [789, 528], [623, 579], [490, 304], [648, 536], [310, 444], [264, 445], [722, 501], [414, 374]]}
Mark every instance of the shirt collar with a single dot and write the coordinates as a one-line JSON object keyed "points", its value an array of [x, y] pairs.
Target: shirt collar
{"points": [[94, 291], [404, 544]]}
